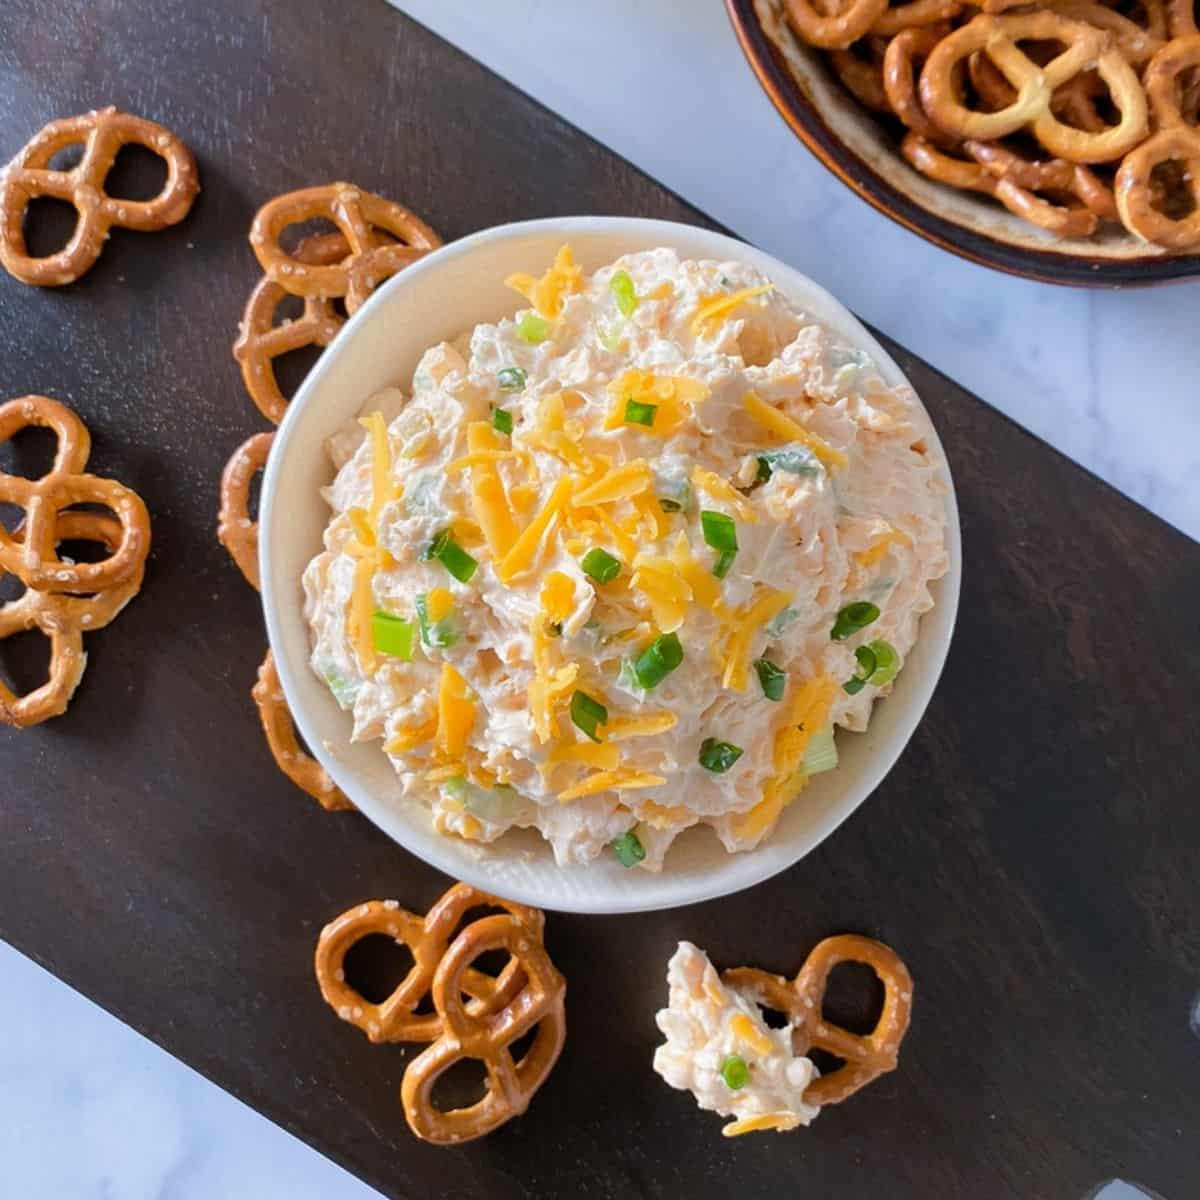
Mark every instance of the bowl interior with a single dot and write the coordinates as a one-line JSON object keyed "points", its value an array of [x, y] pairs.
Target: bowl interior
{"points": [[436, 299], [863, 151]]}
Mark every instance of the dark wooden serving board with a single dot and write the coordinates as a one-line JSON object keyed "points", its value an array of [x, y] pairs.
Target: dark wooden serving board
{"points": [[1033, 855]]}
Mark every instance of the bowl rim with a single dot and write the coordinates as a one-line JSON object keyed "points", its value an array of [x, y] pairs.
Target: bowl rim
{"points": [[1066, 268], [746, 869]]}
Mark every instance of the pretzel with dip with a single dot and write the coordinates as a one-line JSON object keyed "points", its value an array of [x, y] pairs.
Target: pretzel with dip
{"points": [[102, 134], [1174, 140], [721, 1049]]}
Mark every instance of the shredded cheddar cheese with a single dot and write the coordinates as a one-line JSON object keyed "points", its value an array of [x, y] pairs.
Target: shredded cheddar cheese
{"points": [[743, 626], [619, 729], [673, 397], [776, 1120], [722, 489], [488, 500], [456, 713], [780, 424], [623, 780], [882, 544], [407, 737], [720, 305], [546, 294], [617, 484], [807, 712], [557, 596], [525, 549], [383, 490], [750, 1035]]}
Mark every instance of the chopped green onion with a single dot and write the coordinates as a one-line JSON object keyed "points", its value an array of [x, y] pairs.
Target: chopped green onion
{"points": [[821, 752], [452, 556], [502, 420], [587, 714], [637, 413], [599, 565], [511, 379], [887, 663], [720, 533], [610, 339], [725, 281], [628, 848], [658, 660], [435, 633], [735, 1072], [532, 328], [764, 470], [794, 459], [718, 757], [852, 618], [669, 505], [393, 635], [772, 678], [343, 690], [501, 804], [723, 563], [621, 287], [865, 658]]}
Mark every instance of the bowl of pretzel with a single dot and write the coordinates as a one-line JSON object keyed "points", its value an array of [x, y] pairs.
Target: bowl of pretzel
{"points": [[1057, 140]]}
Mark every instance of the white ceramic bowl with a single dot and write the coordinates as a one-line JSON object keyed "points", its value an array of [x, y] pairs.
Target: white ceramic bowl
{"points": [[451, 290]]}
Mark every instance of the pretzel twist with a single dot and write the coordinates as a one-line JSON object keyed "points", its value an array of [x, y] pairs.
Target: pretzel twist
{"points": [[102, 134], [487, 1037], [905, 51], [863, 78], [235, 530], [32, 558], [1175, 140], [63, 619], [916, 14], [865, 1056], [1014, 182], [260, 341], [837, 29], [1181, 18], [301, 768], [1136, 43], [361, 217], [998, 38], [427, 938]]}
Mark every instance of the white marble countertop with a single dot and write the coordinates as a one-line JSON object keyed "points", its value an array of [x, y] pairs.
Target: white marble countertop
{"points": [[89, 1110]]}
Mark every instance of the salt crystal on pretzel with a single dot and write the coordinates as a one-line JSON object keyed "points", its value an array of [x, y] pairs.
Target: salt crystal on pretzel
{"points": [[102, 134], [365, 220], [427, 938], [63, 619], [260, 341], [487, 1037], [32, 558]]}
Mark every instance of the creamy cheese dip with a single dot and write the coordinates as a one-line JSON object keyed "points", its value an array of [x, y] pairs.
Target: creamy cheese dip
{"points": [[721, 1050], [618, 565]]}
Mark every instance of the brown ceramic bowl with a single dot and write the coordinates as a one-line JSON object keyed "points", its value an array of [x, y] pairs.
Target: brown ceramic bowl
{"points": [[864, 154]]}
